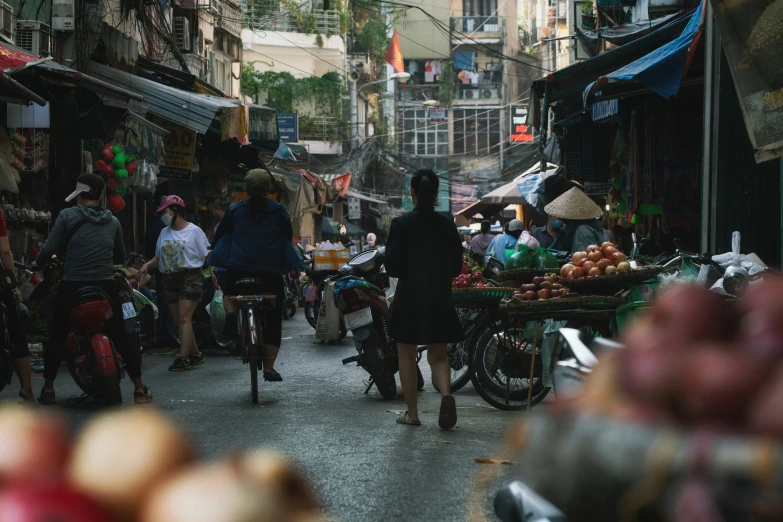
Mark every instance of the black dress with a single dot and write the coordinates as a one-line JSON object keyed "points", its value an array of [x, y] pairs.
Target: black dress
{"points": [[425, 252]]}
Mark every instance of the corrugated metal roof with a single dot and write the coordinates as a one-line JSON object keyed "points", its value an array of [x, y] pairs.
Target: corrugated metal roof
{"points": [[193, 111]]}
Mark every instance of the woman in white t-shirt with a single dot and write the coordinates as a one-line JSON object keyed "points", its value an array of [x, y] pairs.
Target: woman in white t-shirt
{"points": [[180, 254]]}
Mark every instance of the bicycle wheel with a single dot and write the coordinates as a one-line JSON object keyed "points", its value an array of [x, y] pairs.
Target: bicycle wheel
{"points": [[253, 363], [501, 364]]}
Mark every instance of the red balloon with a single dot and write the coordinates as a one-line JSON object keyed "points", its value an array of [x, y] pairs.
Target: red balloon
{"points": [[116, 203], [108, 171], [100, 165], [130, 167], [111, 184], [107, 155]]}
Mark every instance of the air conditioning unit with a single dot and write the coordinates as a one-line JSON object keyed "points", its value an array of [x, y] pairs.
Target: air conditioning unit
{"points": [[33, 37], [199, 43], [489, 93], [7, 20], [63, 12], [470, 94], [182, 33]]}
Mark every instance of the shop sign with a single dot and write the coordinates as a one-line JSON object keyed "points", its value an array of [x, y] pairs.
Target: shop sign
{"points": [[296, 240], [288, 126], [597, 189], [750, 32], [520, 131], [438, 115], [354, 208], [180, 145]]}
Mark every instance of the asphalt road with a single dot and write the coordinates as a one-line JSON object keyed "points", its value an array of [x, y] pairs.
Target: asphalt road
{"points": [[364, 465]]}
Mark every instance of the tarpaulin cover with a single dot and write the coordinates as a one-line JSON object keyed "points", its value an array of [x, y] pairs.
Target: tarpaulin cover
{"points": [[463, 60], [12, 57], [662, 70], [622, 34]]}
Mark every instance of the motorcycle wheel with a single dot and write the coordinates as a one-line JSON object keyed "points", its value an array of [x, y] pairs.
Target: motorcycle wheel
{"points": [[109, 389], [291, 309], [311, 313], [374, 364], [253, 363], [501, 365], [459, 359]]}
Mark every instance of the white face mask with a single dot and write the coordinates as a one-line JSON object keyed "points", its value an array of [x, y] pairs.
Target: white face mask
{"points": [[167, 219]]}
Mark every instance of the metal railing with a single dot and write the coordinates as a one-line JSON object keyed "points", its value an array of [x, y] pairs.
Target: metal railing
{"points": [[419, 93], [480, 92], [319, 129], [287, 21], [478, 26]]}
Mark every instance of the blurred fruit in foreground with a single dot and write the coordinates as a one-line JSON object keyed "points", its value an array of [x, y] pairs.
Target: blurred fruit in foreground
{"points": [[49, 502], [33, 446]]}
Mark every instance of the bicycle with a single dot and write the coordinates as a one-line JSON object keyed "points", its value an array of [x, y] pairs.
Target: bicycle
{"points": [[251, 330]]}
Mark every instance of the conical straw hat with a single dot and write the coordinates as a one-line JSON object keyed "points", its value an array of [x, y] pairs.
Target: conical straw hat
{"points": [[574, 204]]}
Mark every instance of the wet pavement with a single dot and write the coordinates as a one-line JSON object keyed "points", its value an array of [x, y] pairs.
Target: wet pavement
{"points": [[364, 465]]}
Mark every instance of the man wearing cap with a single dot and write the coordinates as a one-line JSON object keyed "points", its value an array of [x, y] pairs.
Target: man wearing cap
{"points": [[581, 218], [253, 241], [503, 245], [91, 239], [371, 239]]}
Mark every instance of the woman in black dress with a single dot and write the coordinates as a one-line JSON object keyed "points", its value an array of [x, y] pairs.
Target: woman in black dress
{"points": [[425, 252]]}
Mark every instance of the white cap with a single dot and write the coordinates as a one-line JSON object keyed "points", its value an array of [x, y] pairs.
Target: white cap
{"points": [[371, 238]]}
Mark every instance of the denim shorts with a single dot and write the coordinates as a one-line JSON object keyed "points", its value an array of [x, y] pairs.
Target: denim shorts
{"points": [[185, 285]]}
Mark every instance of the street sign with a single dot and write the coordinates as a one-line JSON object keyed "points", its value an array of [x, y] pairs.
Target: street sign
{"points": [[438, 115], [180, 145], [354, 208], [288, 126], [520, 132], [597, 189]]}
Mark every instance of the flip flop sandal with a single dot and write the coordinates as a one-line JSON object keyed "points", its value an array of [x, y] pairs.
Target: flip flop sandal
{"points": [[448, 412], [404, 418]]}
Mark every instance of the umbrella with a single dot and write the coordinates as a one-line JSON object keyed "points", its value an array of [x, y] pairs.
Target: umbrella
{"points": [[526, 188]]}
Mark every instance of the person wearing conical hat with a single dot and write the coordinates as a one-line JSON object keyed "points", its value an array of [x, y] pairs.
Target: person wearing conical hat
{"points": [[581, 218]]}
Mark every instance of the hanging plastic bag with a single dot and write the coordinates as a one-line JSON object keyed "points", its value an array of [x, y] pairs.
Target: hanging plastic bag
{"points": [[729, 258], [217, 316], [530, 241], [545, 259]]}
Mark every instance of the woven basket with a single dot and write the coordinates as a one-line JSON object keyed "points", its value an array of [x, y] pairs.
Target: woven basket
{"points": [[614, 282], [557, 303], [525, 275], [481, 294]]}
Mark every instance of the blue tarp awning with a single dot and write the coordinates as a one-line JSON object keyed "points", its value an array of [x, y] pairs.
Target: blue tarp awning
{"points": [[662, 69], [463, 60]]}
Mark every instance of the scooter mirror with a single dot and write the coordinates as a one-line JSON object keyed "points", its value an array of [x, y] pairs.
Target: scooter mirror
{"points": [[509, 504]]}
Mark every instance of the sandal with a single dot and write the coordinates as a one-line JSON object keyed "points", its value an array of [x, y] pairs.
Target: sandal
{"points": [[404, 418], [448, 412], [28, 398]]}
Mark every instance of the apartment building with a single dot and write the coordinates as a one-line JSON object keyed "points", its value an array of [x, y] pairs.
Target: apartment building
{"points": [[468, 73]]}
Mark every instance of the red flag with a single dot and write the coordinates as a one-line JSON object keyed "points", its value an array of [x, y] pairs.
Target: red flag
{"points": [[394, 53]]}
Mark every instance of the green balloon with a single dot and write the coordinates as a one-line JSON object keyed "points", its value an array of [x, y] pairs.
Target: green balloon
{"points": [[621, 208], [121, 174], [623, 196], [122, 188], [129, 158], [617, 182], [119, 161], [116, 149]]}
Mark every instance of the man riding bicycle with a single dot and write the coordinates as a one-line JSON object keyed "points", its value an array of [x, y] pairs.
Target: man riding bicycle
{"points": [[253, 240], [91, 239]]}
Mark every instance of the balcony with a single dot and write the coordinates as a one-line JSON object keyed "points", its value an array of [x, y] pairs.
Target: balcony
{"points": [[481, 29], [479, 93], [418, 94], [283, 20], [228, 17]]}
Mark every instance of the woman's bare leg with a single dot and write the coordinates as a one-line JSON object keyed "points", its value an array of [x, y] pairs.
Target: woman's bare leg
{"points": [[439, 362], [407, 355], [187, 339]]}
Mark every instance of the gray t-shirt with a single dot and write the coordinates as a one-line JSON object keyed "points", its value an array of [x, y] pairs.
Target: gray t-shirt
{"points": [[95, 248]]}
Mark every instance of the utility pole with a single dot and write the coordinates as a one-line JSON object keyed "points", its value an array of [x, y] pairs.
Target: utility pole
{"points": [[353, 80]]}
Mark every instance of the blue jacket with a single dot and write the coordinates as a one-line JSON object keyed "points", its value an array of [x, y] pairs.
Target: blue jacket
{"points": [[500, 244], [255, 236]]}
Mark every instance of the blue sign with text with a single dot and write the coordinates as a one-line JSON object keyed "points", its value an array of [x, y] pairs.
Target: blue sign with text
{"points": [[288, 126]]}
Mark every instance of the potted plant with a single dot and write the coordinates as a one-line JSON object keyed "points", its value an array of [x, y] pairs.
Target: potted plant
{"points": [[588, 15]]}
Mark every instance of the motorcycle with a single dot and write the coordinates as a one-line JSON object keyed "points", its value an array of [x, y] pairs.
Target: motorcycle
{"points": [[364, 307], [290, 296], [7, 284]]}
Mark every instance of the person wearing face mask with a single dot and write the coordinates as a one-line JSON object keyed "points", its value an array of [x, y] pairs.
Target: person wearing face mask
{"points": [[180, 254], [547, 235]]}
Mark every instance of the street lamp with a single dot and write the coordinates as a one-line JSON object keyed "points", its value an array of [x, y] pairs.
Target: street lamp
{"points": [[401, 77]]}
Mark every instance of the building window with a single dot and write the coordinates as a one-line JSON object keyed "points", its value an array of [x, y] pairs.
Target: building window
{"points": [[421, 136], [477, 131]]}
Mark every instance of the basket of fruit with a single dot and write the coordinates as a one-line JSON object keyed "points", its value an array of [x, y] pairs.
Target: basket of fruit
{"points": [[684, 423], [543, 291], [603, 268], [470, 285]]}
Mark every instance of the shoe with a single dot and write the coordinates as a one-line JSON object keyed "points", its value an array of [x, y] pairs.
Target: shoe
{"points": [[47, 396], [273, 376], [196, 360], [142, 396], [405, 418], [180, 365], [28, 398], [448, 412]]}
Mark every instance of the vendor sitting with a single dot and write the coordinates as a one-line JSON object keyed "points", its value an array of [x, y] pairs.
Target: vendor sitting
{"points": [[505, 244], [580, 216]]}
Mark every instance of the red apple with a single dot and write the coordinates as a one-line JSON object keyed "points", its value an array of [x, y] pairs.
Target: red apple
{"points": [[606, 244], [589, 265], [595, 256], [530, 296], [578, 256], [577, 272], [608, 252], [544, 294], [565, 270], [582, 262]]}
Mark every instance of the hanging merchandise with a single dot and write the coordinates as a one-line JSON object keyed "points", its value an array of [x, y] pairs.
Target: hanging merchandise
{"points": [[114, 168]]}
